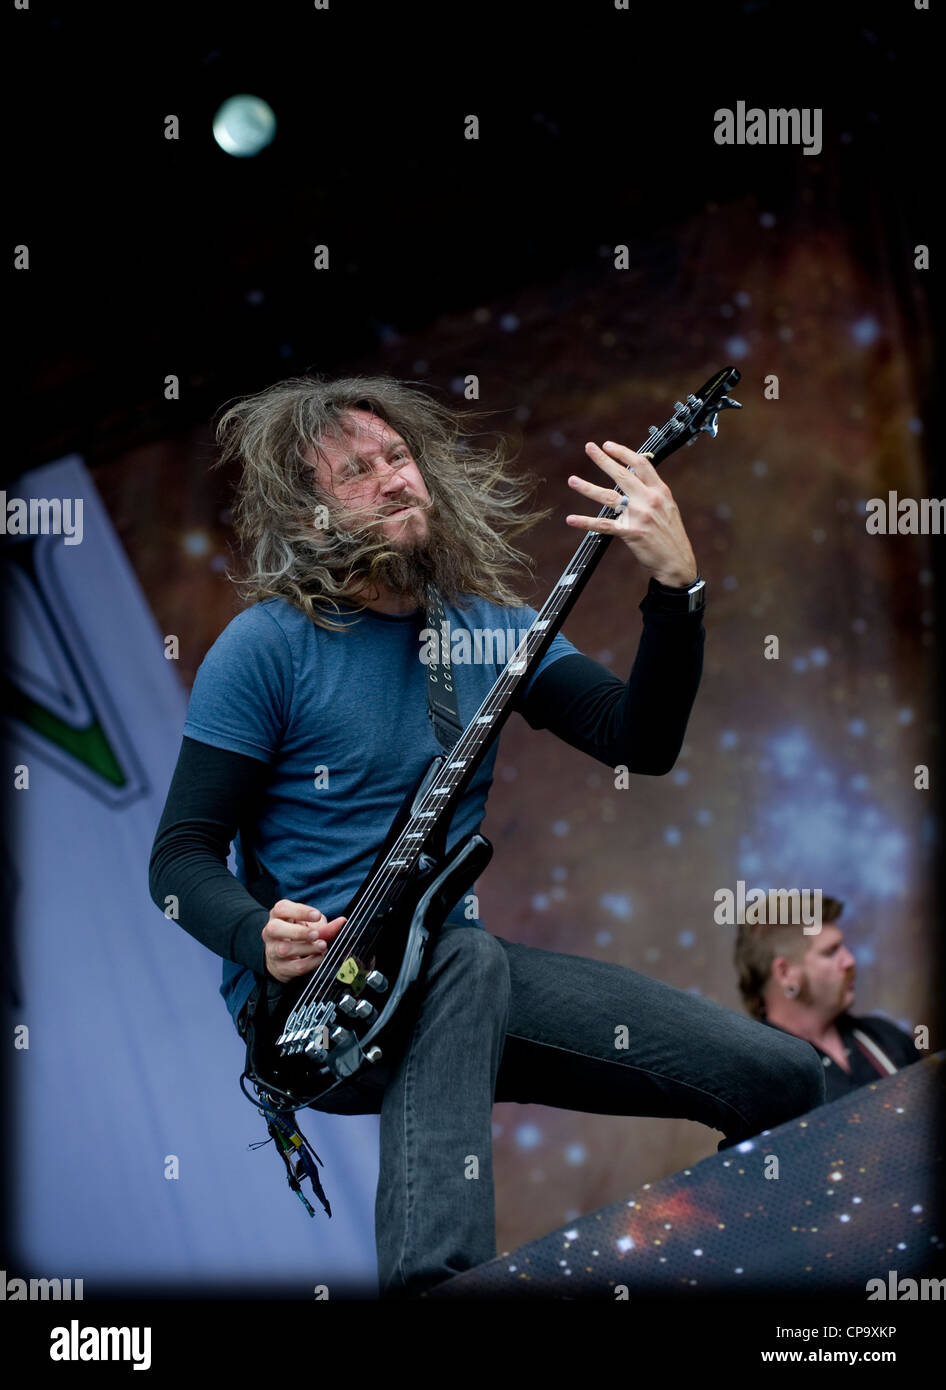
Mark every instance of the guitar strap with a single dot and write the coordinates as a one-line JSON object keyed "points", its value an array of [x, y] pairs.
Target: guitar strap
{"points": [[441, 691], [874, 1053]]}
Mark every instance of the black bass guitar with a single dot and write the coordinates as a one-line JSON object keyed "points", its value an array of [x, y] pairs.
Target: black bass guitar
{"points": [[326, 1029]]}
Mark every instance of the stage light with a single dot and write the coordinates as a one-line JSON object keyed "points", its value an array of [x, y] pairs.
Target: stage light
{"points": [[244, 125]]}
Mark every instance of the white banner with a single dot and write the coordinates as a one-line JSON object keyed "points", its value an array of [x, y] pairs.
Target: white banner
{"points": [[131, 1135]]}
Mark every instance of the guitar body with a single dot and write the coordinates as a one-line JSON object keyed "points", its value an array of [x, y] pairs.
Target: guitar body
{"points": [[379, 978]]}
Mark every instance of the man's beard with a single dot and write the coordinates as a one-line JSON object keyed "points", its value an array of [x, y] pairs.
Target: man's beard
{"points": [[407, 570]]}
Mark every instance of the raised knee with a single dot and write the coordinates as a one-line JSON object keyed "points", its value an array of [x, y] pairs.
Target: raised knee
{"points": [[474, 955]]}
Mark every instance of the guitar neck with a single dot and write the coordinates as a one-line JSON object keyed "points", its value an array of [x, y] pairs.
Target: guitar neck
{"points": [[430, 820], [483, 728]]}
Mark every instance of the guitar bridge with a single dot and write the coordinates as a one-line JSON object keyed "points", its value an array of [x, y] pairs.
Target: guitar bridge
{"points": [[307, 1028]]}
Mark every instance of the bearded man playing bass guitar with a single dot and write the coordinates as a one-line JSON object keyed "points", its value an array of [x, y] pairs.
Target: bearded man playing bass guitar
{"points": [[308, 726]]}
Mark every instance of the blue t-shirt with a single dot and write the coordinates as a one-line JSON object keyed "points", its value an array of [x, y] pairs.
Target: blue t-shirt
{"points": [[341, 718]]}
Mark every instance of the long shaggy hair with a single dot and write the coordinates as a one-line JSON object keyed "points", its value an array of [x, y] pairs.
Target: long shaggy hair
{"points": [[287, 523]]}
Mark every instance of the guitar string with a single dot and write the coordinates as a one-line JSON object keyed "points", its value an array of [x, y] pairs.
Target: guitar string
{"points": [[339, 949]]}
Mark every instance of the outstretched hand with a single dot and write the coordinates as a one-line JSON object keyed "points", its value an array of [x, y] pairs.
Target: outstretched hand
{"points": [[650, 525]]}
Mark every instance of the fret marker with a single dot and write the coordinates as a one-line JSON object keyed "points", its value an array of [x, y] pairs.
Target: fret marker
{"points": [[568, 578]]}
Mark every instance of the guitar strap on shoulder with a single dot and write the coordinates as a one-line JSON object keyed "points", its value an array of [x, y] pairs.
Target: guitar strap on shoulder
{"points": [[874, 1053], [442, 707]]}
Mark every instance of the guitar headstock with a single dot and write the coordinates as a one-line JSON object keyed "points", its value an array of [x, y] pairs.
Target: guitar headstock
{"points": [[698, 414]]}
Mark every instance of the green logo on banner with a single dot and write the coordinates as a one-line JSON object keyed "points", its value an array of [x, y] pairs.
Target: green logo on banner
{"points": [[86, 743], [89, 745]]}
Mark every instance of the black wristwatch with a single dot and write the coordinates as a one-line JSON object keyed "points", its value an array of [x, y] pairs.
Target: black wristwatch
{"points": [[688, 598]]}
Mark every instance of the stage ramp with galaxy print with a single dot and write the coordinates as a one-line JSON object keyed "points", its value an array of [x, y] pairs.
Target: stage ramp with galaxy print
{"points": [[855, 1198]]}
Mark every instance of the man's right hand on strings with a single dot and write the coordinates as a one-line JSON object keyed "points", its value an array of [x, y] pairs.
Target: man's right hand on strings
{"points": [[296, 938]]}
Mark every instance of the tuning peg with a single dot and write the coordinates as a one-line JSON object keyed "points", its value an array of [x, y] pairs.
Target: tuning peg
{"points": [[727, 403]]}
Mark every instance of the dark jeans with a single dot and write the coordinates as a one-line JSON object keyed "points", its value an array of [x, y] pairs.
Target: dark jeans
{"points": [[499, 1021]]}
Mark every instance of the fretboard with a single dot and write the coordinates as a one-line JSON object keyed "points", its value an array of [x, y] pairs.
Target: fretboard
{"points": [[433, 815]]}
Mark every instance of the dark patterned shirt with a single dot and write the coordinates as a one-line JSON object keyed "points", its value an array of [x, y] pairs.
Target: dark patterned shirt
{"points": [[875, 1048]]}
